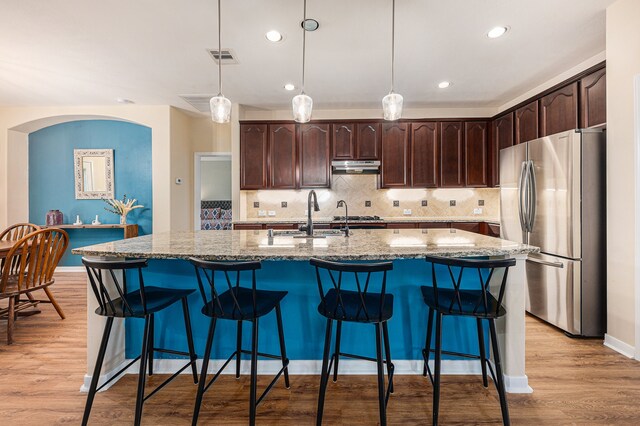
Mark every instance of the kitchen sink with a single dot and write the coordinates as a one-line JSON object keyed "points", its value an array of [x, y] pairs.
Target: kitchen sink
{"points": [[318, 233]]}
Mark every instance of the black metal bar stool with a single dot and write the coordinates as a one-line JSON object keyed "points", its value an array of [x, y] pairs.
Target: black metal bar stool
{"points": [[238, 304], [116, 301], [362, 305], [472, 297]]}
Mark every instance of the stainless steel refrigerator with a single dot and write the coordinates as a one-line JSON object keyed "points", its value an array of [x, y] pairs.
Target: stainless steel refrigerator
{"points": [[552, 195]]}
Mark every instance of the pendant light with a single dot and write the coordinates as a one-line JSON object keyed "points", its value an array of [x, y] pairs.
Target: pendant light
{"points": [[219, 105], [392, 103], [302, 104]]}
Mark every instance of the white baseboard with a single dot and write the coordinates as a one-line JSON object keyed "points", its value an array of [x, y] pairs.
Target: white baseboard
{"points": [[313, 367], [71, 269], [517, 384], [619, 346]]}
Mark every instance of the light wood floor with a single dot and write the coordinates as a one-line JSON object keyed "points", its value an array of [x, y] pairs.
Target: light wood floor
{"points": [[576, 381]]}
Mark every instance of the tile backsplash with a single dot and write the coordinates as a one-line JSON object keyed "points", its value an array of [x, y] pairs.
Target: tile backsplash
{"points": [[363, 198]]}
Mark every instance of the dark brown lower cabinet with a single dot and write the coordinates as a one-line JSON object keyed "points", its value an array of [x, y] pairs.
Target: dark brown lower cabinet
{"points": [[493, 230], [401, 225], [247, 226], [434, 225], [468, 226]]}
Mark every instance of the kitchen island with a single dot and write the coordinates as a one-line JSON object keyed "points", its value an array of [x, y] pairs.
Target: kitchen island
{"points": [[285, 267]]}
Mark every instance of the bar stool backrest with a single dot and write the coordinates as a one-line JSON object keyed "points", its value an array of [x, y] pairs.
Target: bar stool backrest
{"points": [[363, 278], [231, 273], [114, 303], [481, 276]]}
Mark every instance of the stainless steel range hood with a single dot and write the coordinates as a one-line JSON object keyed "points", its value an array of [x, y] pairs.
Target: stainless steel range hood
{"points": [[355, 167]]}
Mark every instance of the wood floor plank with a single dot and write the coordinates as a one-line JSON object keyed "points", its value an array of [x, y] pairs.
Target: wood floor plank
{"points": [[576, 381]]}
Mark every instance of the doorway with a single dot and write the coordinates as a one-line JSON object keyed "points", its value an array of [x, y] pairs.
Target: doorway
{"points": [[212, 191]]}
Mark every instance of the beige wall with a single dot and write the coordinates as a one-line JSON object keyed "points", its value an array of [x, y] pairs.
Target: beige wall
{"points": [[623, 64], [181, 167]]}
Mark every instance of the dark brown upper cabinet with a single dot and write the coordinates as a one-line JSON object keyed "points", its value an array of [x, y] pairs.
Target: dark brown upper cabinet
{"points": [[476, 154], [526, 123], [344, 141], [593, 99], [368, 141], [501, 137], [253, 156], [395, 155], [451, 154], [315, 157], [559, 110], [424, 155], [282, 156]]}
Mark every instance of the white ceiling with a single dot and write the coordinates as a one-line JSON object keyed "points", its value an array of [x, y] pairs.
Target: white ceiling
{"points": [[89, 52]]}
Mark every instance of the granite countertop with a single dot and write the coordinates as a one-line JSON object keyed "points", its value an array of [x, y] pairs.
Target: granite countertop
{"points": [[407, 219], [377, 244]]}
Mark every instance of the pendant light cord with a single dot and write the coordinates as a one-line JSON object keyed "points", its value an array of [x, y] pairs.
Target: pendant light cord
{"points": [[304, 41], [393, 41], [220, 54]]}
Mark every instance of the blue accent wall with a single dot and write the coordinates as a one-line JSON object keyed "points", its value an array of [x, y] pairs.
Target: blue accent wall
{"points": [[51, 177]]}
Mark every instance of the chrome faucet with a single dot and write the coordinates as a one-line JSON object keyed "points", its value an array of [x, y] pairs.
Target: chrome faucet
{"points": [[316, 207], [342, 203]]}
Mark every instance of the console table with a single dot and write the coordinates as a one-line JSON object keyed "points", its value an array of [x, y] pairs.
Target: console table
{"points": [[130, 230]]}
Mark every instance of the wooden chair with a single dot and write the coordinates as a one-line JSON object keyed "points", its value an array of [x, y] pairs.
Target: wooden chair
{"points": [[29, 266], [15, 233], [18, 231]]}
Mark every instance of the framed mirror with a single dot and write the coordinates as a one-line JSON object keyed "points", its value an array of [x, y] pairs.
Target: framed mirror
{"points": [[93, 170]]}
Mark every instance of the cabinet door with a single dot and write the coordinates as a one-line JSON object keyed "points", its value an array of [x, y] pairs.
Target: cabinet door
{"points": [[395, 155], [253, 156], [467, 226], [247, 226], [368, 141], [401, 225], [451, 154], [476, 155], [501, 137], [424, 155], [559, 110], [344, 141], [282, 156], [526, 123], [314, 156], [593, 99], [434, 225]]}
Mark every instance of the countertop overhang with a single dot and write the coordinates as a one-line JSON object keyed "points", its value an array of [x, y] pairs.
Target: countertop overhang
{"points": [[375, 244]]}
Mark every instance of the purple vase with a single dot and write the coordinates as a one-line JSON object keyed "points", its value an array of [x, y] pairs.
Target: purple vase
{"points": [[54, 217]]}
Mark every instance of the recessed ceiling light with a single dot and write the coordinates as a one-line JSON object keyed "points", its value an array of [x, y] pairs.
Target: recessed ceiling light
{"points": [[444, 84], [273, 36], [289, 86], [310, 24], [124, 101], [496, 32]]}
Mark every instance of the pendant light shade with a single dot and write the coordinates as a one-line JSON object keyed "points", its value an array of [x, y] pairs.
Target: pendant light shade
{"points": [[220, 109], [392, 106], [392, 103], [219, 105], [302, 104]]}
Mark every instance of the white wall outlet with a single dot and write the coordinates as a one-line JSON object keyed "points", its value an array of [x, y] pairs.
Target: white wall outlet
{"points": [[272, 213], [477, 210], [262, 212], [407, 212]]}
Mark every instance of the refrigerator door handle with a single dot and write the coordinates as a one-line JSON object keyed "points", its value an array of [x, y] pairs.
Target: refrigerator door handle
{"points": [[521, 193], [531, 210], [545, 262]]}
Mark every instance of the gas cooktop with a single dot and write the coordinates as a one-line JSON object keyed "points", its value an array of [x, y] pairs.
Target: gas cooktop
{"points": [[356, 218]]}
